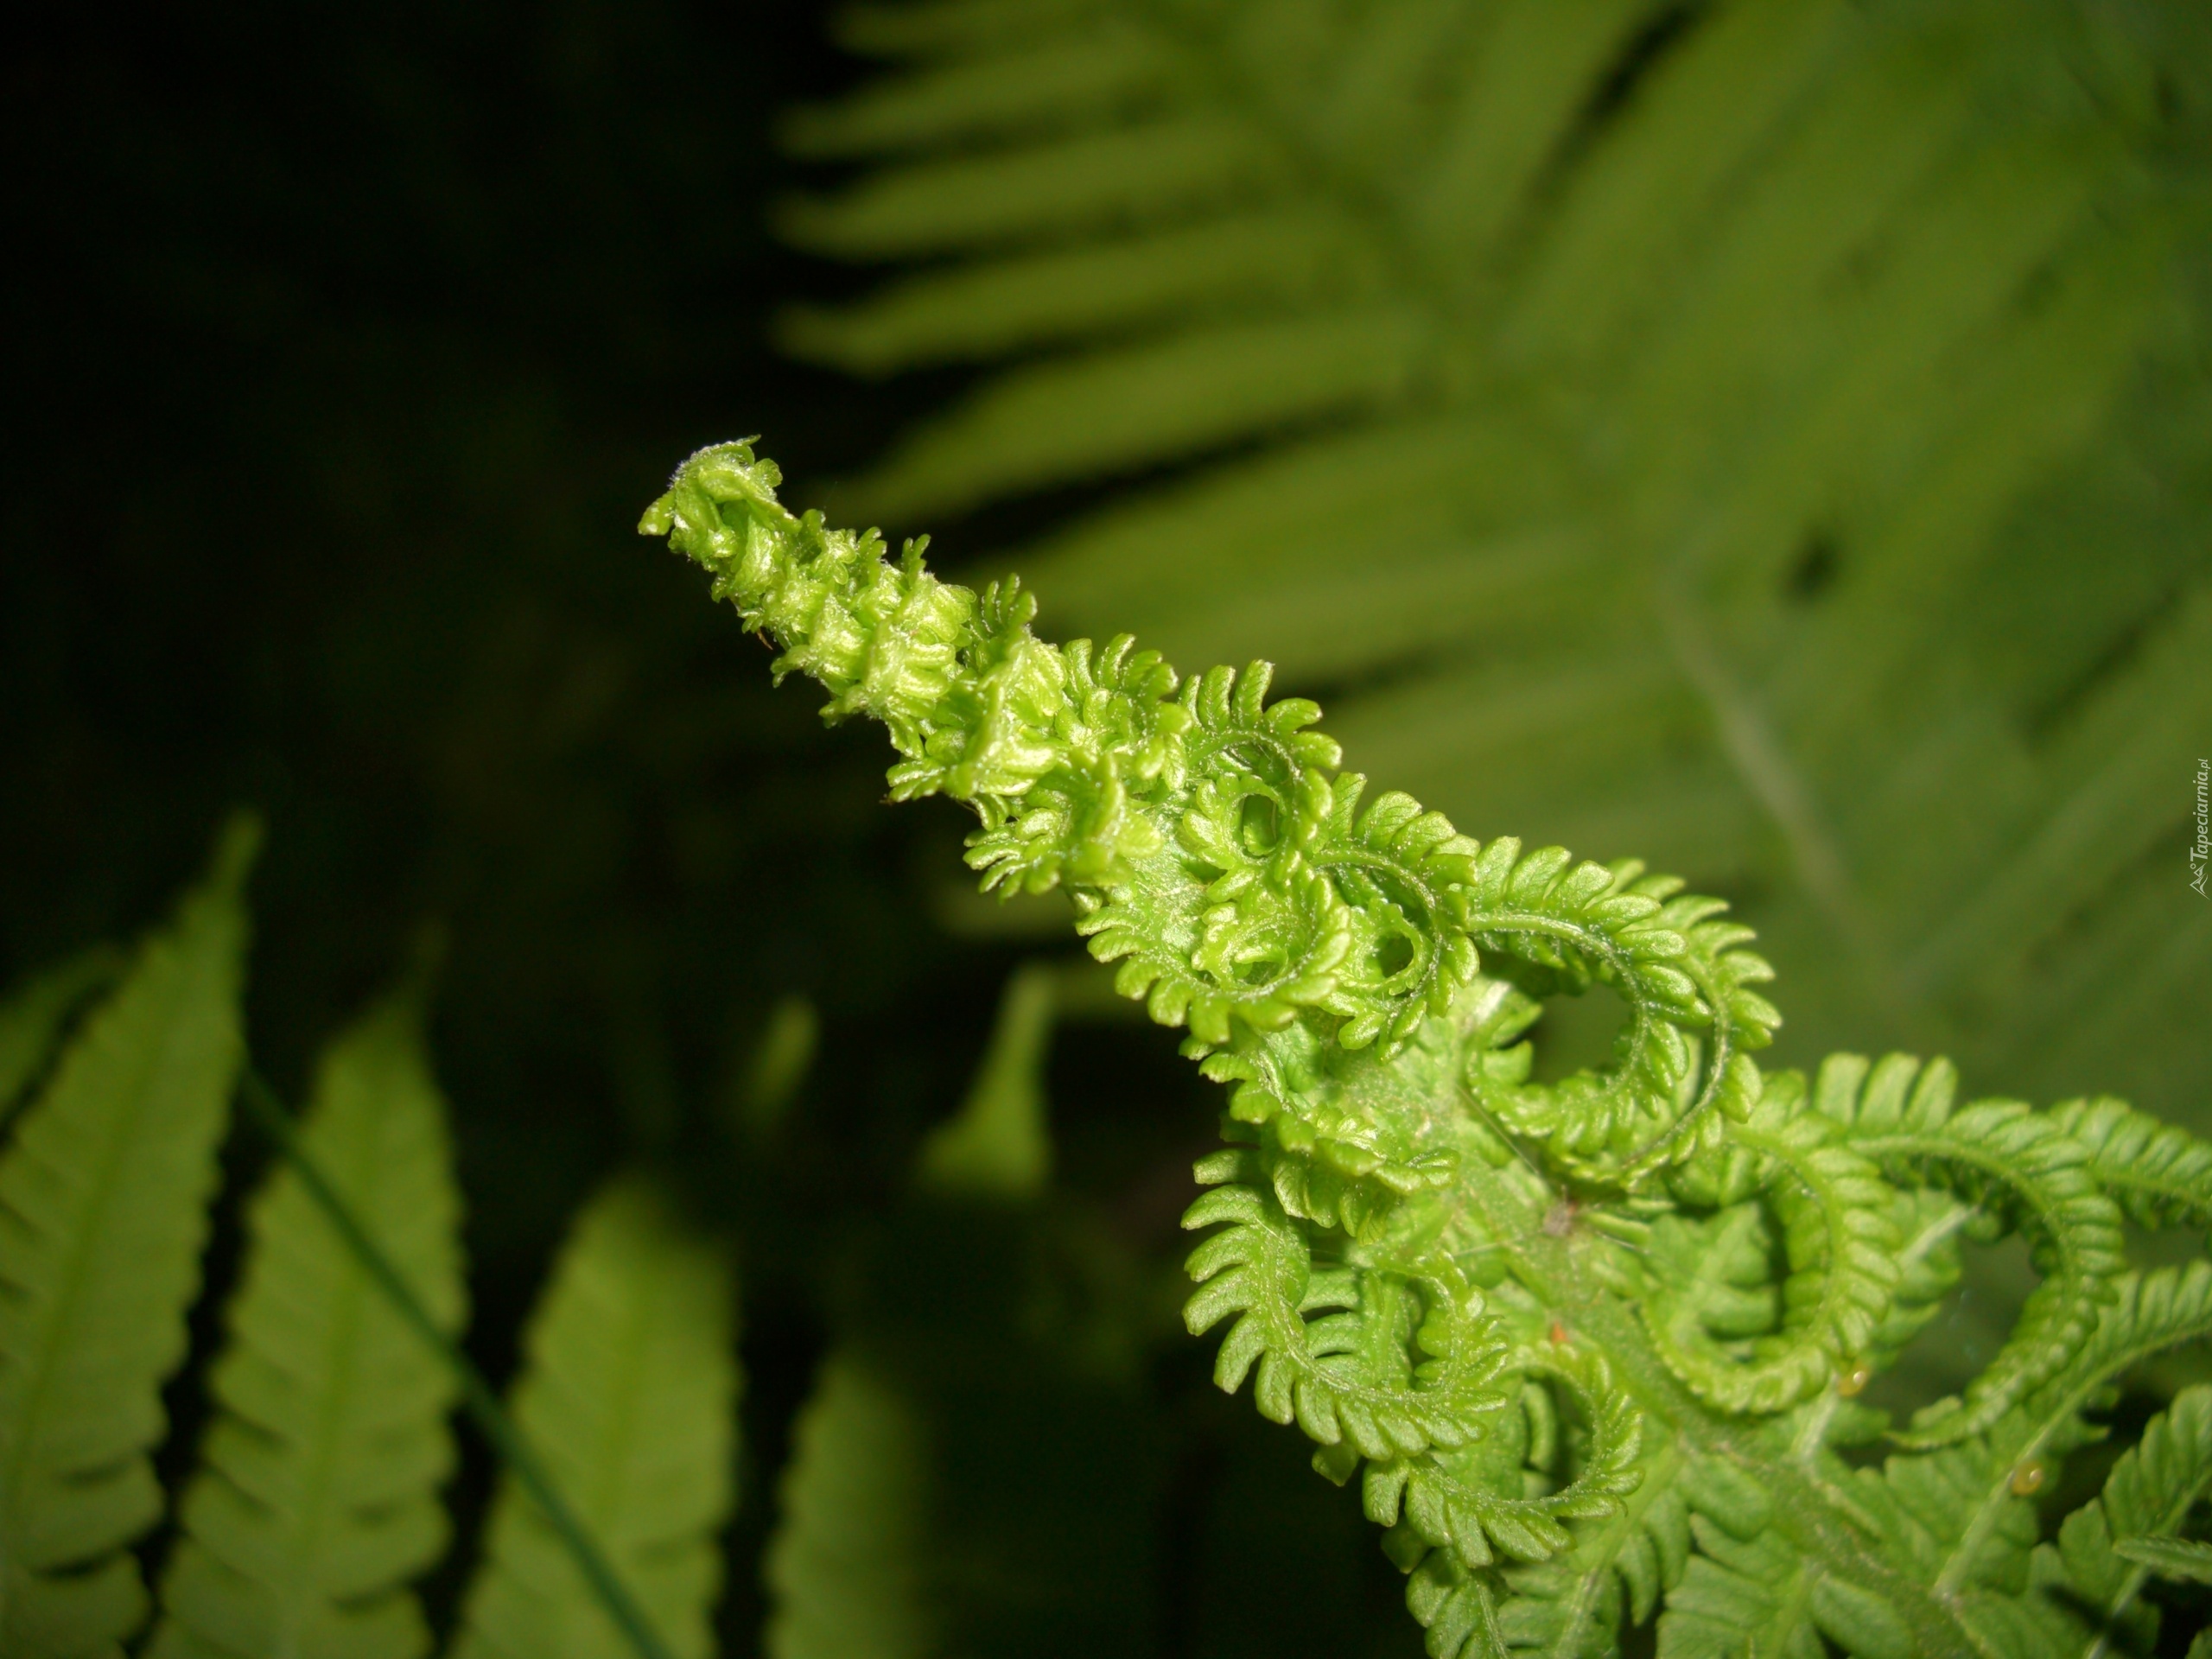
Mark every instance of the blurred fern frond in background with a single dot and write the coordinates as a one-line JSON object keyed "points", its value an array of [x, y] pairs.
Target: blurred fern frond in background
{"points": [[1775, 437], [314, 1503]]}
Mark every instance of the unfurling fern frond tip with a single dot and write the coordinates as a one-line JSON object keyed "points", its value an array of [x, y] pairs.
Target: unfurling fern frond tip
{"points": [[1510, 1307]]}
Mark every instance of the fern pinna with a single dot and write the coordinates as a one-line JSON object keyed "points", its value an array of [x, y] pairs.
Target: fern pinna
{"points": [[1591, 1348], [314, 1502]]}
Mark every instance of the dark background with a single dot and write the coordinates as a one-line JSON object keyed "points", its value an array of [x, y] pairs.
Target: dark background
{"points": [[345, 346]]}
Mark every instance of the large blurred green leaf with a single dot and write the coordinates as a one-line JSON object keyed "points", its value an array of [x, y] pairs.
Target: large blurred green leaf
{"points": [[1773, 438]]}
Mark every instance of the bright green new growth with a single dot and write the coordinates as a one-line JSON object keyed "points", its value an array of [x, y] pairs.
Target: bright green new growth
{"points": [[1586, 1342], [1773, 435]]}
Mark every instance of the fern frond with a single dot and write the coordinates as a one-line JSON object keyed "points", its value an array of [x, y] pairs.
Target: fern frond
{"points": [[103, 1211], [315, 1500], [1958, 1517], [1750, 1587], [1683, 974], [35, 1013], [1064, 76], [1571, 1605], [628, 1390], [845, 1568], [1499, 359], [1348, 1376], [2169, 1558], [1208, 845], [2160, 1175], [2019, 1165], [1739, 1596], [2040, 1624], [1841, 1247], [1453, 1501], [1411, 1238], [2147, 1495], [1456, 1606]]}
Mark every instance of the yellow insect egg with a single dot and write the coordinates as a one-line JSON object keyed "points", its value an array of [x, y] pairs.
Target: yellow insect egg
{"points": [[2028, 1478], [1854, 1381]]}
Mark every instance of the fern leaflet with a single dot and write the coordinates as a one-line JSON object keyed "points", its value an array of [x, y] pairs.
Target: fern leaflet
{"points": [[315, 1501], [2158, 1173], [2170, 1558], [103, 1201], [2147, 1495], [628, 1392], [999, 1146], [33, 1018], [1996, 1155], [845, 1567]]}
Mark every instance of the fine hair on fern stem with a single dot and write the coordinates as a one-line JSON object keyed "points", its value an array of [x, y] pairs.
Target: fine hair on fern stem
{"points": [[1412, 1241], [507, 1438]]}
